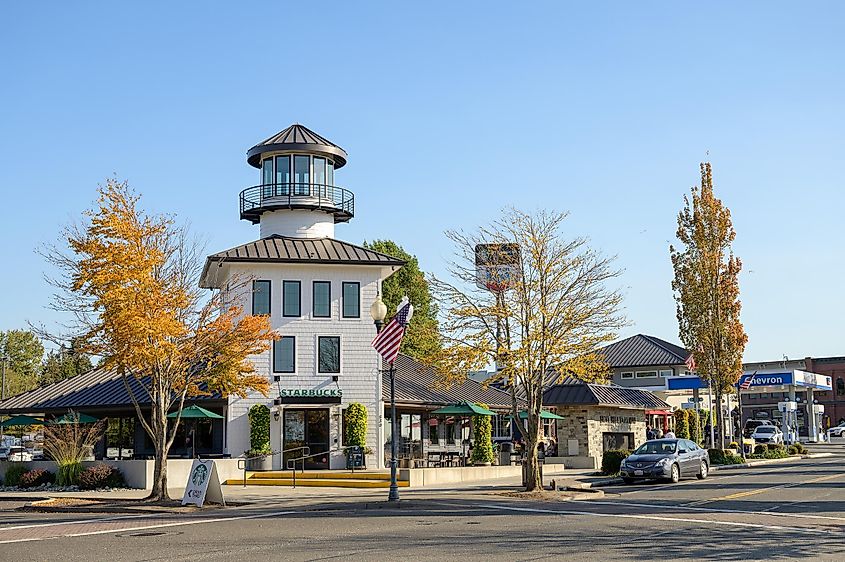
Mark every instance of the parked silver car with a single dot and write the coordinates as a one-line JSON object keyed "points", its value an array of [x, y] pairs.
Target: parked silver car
{"points": [[665, 459]]}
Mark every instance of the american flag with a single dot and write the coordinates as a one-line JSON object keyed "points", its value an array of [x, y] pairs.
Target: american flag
{"points": [[690, 363], [387, 341], [746, 384]]}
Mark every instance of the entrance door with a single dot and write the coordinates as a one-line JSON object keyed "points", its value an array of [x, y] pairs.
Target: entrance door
{"points": [[307, 427]]}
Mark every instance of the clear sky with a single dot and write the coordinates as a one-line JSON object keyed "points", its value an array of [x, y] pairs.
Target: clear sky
{"points": [[449, 111]]}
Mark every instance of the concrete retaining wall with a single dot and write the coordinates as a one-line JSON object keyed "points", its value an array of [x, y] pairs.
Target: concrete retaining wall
{"points": [[432, 476], [139, 474], [574, 462]]}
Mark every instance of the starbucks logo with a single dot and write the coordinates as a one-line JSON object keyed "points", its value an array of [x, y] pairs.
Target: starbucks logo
{"points": [[199, 475]]}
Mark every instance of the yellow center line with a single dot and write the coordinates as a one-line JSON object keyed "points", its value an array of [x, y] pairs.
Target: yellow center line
{"points": [[769, 489]]}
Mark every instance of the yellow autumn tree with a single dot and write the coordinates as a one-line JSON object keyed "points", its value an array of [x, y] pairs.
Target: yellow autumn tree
{"points": [[130, 282], [706, 288], [544, 319]]}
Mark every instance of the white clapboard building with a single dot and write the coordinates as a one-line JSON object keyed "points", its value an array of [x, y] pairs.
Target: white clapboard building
{"points": [[317, 290]]}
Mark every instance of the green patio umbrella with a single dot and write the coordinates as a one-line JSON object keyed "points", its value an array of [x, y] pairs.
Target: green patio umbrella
{"points": [[195, 412], [76, 417], [464, 409], [21, 420], [544, 415]]}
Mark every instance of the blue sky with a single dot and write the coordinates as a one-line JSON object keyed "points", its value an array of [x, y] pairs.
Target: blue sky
{"points": [[449, 112]]}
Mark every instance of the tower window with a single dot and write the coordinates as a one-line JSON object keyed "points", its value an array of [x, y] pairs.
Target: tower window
{"points": [[301, 175], [322, 297], [328, 354], [283, 175], [267, 177], [260, 297], [351, 299], [291, 298]]}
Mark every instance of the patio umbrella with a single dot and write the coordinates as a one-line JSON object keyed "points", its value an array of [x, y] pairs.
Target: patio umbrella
{"points": [[76, 417], [195, 413], [21, 420], [464, 409], [544, 415]]}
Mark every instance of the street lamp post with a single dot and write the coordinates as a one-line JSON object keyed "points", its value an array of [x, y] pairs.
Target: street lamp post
{"points": [[378, 311]]}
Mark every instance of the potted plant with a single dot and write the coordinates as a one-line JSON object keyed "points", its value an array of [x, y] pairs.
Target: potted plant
{"points": [[260, 455]]}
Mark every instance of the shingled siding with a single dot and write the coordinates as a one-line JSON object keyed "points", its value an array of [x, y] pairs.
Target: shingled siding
{"points": [[358, 378]]}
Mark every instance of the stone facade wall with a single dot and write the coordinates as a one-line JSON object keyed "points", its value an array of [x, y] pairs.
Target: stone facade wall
{"points": [[587, 424]]}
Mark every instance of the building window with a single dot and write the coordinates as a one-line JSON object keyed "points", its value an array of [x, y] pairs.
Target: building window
{"points": [[627, 375], [282, 175], [320, 175], [302, 175], [666, 373], [840, 386], [501, 426], [433, 428], [330, 172], [291, 298], [646, 374], [328, 354], [284, 355], [322, 299], [260, 297], [351, 299], [548, 428]]}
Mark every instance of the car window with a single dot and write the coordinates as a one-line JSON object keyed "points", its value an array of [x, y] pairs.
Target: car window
{"points": [[656, 448], [691, 446], [766, 429]]}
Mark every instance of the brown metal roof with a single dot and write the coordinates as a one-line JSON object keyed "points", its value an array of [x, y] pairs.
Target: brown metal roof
{"points": [[573, 392], [415, 385], [643, 351], [96, 389], [297, 138], [284, 249]]}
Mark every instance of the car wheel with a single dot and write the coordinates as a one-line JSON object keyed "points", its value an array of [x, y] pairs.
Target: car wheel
{"points": [[703, 471], [627, 480], [675, 474]]}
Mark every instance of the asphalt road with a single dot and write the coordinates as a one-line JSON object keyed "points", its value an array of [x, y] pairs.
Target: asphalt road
{"points": [[780, 512]]}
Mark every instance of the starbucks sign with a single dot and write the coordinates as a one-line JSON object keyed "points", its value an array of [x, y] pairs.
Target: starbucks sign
{"points": [[310, 393]]}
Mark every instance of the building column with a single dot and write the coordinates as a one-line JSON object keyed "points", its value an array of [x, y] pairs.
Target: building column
{"points": [[812, 422]]}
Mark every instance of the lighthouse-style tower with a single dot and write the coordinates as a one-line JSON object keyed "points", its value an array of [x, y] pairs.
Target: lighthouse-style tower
{"points": [[297, 195], [317, 291]]}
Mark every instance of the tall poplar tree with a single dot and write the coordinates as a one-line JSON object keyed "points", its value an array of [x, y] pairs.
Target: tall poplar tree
{"points": [[706, 289]]}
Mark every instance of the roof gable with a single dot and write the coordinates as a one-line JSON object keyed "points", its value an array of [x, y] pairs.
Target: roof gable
{"points": [[581, 393], [643, 351]]}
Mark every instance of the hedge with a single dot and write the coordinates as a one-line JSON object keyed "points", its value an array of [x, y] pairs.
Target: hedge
{"points": [[723, 457], [611, 460], [482, 449], [681, 426], [694, 425], [356, 425], [259, 430]]}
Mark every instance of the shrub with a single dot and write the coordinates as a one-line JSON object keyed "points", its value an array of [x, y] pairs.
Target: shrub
{"points": [[776, 453], [693, 423], [101, 475], [355, 434], [14, 473], [801, 448], [259, 430], [681, 426], [792, 450], [36, 477], [482, 450], [611, 460], [761, 449], [723, 457], [69, 444]]}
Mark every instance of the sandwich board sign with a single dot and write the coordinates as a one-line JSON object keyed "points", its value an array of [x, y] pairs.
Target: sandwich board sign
{"points": [[203, 484]]}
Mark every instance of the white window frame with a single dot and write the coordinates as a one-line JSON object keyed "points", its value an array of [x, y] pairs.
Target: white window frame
{"points": [[646, 374], [629, 373], [663, 373]]}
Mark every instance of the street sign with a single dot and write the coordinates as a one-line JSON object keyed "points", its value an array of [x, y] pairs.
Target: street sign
{"points": [[496, 266], [203, 483]]}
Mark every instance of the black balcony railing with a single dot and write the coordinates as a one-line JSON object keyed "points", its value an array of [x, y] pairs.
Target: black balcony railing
{"points": [[268, 197]]}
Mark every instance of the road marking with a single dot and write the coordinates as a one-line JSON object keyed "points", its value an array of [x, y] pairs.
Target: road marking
{"points": [[685, 507], [663, 518], [747, 493], [77, 521], [154, 526]]}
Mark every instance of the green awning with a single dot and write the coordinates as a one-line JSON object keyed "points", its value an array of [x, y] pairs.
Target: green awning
{"points": [[544, 414], [464, 409], [21, 420], [196, 412], [75, 417]]}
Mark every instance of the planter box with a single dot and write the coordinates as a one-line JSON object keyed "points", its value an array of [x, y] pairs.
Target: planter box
{"points": [[260, 464]]}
